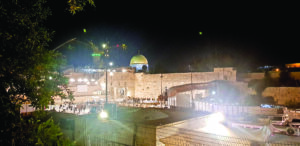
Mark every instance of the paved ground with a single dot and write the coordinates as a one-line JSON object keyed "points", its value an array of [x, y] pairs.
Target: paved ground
{"points": [[201, 127], [261, 135]]}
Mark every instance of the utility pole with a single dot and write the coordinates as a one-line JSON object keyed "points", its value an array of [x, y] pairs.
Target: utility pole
{"points": [[192, 99], [161, 76], [106, 84]]}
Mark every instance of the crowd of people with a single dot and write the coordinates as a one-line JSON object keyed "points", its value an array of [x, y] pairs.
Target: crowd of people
{"points": [[96, 106], [79, 109]]}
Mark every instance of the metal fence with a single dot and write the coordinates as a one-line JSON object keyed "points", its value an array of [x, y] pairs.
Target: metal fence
{"points": [[172, 136], [234, 109]]}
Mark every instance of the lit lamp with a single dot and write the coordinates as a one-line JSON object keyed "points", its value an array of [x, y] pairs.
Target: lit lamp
{"points": [[103, 46], [103, 114]]}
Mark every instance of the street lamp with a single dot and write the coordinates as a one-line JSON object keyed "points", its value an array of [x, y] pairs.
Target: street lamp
{"points": [[103, 114], [191, 86], [103, 46], [161, 76], [110, 64]]}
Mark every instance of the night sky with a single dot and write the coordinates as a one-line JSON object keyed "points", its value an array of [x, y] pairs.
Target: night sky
{"points": [[167, 34]]}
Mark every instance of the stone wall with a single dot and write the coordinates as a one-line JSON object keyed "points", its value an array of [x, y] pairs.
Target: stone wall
{"points": [[251, 76], [152, 85], [120, 81], [139, 85], [282, 95]]}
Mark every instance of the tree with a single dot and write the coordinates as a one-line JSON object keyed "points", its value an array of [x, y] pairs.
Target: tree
{"points": [[29, 71], [78, 5]]}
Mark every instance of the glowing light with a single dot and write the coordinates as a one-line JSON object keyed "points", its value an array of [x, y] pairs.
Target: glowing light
{"points": [[111, 73], [216, 118], [216, 128], [128, 93], [85, 80], [72, 80], [50, 78], [88, 83], [124, 70], [213, 92], [124, 46], [103, 114], [102, 85], [200, 33], [293, 65], [96, 83], [103, 45], [96, 54], [79, 80], [111, 63], [277, 69], [92, 80], [84, 30]]}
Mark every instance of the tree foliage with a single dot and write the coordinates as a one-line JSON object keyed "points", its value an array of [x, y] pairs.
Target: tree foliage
{"points": [[29, 72], [78, 5]]}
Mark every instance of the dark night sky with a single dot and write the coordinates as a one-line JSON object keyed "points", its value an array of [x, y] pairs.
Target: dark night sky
{"points": [[169, 33]]}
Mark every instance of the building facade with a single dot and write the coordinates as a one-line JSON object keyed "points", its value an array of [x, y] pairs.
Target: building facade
{"points": [[90, 84]]}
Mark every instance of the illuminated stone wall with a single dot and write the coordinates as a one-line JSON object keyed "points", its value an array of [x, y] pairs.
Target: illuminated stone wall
{"points": [[282, 95], [120, 81], [151, 85], [139, 85]]}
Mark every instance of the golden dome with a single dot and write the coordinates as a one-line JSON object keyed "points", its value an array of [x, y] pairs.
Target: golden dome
{"points": [[138, 59]]}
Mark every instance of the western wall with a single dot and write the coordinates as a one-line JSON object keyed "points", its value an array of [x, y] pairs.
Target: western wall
{"points": [[141, 85], [91, 86]]}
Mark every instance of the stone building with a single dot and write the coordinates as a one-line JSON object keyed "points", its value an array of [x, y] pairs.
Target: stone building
{"points": [[90, 84]]}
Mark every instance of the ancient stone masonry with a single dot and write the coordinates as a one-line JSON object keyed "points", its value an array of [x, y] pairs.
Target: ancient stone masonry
{"points": [[139, 85], [152, 85], [282, 95]]}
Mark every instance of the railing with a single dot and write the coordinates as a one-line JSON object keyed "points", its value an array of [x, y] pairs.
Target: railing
{"points": [[174, 136], [234, 109]]}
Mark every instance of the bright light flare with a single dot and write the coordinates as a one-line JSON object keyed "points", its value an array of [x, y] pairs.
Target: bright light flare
{"points": [[103, 114], [213, 92], [213, 125], [111, 63], [103, 45], [124, 70], [72, 80], [216, 118], [111, 73]]}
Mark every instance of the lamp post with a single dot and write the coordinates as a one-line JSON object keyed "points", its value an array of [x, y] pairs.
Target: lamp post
{"points": [[161, 76], [105, 55], [191, 86], [110, 64], [105, 84]]}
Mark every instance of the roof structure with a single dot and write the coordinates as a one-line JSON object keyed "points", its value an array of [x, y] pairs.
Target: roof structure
{"points": [[138, 59]]}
